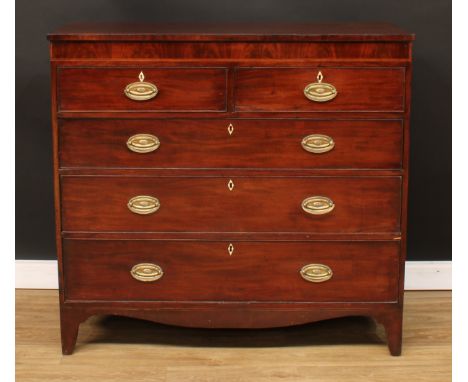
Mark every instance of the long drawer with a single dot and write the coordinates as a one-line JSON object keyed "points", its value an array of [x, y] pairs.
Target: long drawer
{"points": [[320, 89], [223, 271], [152, 89], [240, 204], [242, 143]]}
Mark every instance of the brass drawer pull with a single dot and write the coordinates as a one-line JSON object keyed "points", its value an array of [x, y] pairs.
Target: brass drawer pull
{"points": [[316, 273], [146, 272], [318, 205], [317, 143], [141, 91], [320, 91], [143, 205], [143, 143]]}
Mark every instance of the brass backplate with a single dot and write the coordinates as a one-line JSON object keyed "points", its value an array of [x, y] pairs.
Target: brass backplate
{"points": [[143, 204], [316, 273], [143, 143], [317, 143], [320, 92], [146, 272], [318, 205]]}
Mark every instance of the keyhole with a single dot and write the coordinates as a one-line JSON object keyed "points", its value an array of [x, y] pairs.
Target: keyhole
{"points": [[319, 77], [230, 129], [230, 249], [230, 185]]}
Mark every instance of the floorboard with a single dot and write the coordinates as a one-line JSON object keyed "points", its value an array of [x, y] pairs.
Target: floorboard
{"points": [[123, 349]]}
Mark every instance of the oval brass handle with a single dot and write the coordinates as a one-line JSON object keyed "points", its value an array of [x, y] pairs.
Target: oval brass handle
{"points": [[141, 91], [143, 143], [316, 273], [146, 272], [318, 205], [317, 143], [320, 91], [143, 204]]}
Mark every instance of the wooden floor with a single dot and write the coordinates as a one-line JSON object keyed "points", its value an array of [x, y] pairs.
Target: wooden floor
{"points": [[121, 349]]}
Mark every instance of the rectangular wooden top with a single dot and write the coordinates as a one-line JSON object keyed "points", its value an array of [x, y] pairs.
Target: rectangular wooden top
{"points": [[231, 32]]}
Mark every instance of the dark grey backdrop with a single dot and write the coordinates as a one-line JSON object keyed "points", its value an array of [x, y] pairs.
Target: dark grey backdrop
{"points": [[430, 181]]}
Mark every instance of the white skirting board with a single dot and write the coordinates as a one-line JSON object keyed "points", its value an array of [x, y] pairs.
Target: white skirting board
{"points": [[420, 275]]}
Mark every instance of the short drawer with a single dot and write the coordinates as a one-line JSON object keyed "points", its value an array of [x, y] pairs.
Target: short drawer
{"points": [[141, 89], [238, 204], [330, 90], [244, 143], [249, 271]]}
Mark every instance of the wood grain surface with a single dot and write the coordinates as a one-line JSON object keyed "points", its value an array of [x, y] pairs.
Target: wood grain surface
{"points": [[230, 32], [179, 89], [205, 204], [114, 349], [281, 89], [254, 271], [255, 143], [225, 74]]}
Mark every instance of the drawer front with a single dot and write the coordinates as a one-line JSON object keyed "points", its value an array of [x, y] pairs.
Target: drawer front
{"points": [[254, 271], [356, 89], [240, 204], [178, 89], [227, 143]]}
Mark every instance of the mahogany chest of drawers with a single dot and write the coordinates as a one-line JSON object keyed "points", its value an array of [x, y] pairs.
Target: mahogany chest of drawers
{"points": [[245, 177]]}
